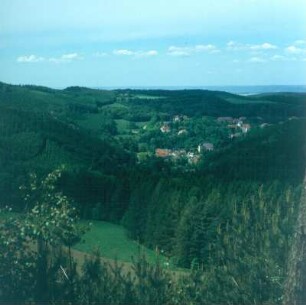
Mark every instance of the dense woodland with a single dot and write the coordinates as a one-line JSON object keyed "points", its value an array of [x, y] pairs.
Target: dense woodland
{"points": [[228, 219]]}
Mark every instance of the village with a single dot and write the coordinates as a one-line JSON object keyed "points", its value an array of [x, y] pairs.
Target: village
{"points": [[236, 127]]}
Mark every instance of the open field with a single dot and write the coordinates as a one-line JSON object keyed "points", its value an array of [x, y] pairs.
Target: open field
{"points": [[109, 239], [113, 243]]}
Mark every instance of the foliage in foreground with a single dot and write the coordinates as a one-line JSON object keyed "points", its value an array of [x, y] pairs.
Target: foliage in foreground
{"points": [[36, 264], [31, 245]]}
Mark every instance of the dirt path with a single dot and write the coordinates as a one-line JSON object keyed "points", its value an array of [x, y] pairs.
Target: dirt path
{"points": [[126, 267], [80, 258]]}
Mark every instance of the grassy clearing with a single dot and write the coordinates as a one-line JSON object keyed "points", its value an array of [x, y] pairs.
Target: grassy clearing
{"points": [[113, 243], [247, 101], [141, 124], [148, 97], [123, 126], [115, 105]]}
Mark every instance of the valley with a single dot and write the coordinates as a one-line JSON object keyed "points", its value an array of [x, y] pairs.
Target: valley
{"points": [[208, 181]]}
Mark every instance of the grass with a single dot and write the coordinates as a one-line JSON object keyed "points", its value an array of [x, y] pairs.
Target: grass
{"points": [[247, 101], [123, 126], [113, 243], [141, 124], [148, 97]]}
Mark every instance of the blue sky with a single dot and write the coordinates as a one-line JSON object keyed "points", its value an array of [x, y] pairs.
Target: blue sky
{"points": [[124, 43]]}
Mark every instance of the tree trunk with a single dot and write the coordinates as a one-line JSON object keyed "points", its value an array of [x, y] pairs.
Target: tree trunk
{"points": [[42, 266]]}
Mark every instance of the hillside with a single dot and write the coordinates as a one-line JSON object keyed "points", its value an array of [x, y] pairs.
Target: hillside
{"points": [[99, 132], [210, 179], [37, 141], [275, 153]]}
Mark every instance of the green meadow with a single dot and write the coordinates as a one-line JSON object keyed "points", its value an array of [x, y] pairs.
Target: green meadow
{"points": [[113, 242]]}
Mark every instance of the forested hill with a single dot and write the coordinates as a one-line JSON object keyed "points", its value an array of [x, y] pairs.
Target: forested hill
{"points": [[275, 153], [98, 134], [190, 102], [217, 103], [211, 179], [37, 136]]}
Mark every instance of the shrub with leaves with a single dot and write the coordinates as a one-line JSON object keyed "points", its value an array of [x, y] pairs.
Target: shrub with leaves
{"points": [[41, 238], [17, 260]]}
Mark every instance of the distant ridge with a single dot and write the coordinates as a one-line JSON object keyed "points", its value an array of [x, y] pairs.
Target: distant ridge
{"points": [[242, 90]]}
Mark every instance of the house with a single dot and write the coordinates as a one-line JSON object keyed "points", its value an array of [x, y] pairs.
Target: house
{"points": [[232, 126], [205, 147], [234, 135], [182, 132], [194, 160], [177, 154], [177, 118], [239, 123], [165, 128], [174, 155], [190, 154], [245, 128], [162, 153]]}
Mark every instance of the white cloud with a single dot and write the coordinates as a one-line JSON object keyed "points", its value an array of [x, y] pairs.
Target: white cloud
{"points": [[179, 51], [263, 46], [231, 44], [124, 52], [206, 48], [30, 59], [187, 51], [257, 60], [300, 42], [283, 58], [295, 50], [65, 58], [70, 56], [237, 46], [150, 53], [278, 58]]}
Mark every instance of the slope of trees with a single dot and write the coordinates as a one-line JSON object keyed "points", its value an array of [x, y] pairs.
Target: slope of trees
{"points": [[231, 220]]}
